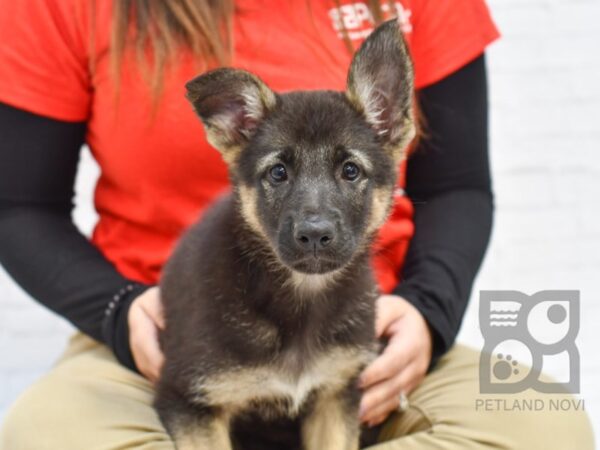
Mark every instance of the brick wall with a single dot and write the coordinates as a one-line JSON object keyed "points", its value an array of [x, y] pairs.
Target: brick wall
{"points": [[545, 132], [545, 143]]}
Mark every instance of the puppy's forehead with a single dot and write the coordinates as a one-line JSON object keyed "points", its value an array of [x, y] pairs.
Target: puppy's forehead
{"points": [[307, 127], [319, 117]]}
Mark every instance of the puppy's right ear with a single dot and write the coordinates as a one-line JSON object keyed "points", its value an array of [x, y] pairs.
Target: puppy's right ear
{"points": [[380, 86], [231, 104]]}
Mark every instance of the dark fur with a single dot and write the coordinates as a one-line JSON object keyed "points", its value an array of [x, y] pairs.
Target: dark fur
{"points": [[229, 298]]}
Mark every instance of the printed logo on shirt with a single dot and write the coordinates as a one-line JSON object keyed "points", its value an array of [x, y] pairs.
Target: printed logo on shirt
{"points": [[356, 19]]}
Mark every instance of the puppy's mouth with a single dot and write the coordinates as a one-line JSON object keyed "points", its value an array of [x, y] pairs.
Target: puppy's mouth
{"points": [[316, 261], [316, 264]]}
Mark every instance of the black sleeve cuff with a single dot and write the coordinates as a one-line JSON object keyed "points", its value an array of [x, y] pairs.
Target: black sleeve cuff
{"points": [[438, 327], [115, 326]]}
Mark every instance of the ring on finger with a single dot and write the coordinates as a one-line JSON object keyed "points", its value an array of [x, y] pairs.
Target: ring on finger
{"points": [[403, 402]]}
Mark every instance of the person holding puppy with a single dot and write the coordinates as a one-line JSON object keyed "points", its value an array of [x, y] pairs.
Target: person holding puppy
{"points": [[111, 74]]}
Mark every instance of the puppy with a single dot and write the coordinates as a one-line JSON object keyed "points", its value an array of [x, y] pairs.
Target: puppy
{"points": [[269, 300]]}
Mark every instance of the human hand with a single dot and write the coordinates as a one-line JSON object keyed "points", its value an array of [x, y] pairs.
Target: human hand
{"points": [[403, 363], [145, 318]]}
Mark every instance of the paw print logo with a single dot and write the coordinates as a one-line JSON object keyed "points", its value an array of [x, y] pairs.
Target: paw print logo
{"points": [[521, 332], [505, 367]]}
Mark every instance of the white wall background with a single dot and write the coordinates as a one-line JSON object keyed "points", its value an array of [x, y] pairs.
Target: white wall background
{"points": [[545, 130]]}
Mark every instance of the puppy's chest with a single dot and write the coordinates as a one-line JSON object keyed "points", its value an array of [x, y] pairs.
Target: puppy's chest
{"points": [[285, 389]]}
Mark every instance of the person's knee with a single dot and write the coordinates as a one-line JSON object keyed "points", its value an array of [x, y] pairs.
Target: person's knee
{"points": [[561, 429], [21, 428], [582, 426], [52, 413], [59, 412], [86, 398], [451, 404]]}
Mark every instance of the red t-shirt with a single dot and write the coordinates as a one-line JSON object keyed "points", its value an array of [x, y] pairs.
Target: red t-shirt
{"points": [[158, 173]]}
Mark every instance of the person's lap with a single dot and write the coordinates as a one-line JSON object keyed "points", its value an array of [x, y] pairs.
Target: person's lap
{"points": [[87, 401], [443, 413], [90, 402]]}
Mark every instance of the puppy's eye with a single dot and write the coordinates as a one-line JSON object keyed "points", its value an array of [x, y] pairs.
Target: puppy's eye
{"points": [[278, 173], [350, 171]]}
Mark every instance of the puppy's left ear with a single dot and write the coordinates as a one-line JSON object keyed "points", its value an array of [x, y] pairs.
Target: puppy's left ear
{"points": [[380, 86], [231, 103]]}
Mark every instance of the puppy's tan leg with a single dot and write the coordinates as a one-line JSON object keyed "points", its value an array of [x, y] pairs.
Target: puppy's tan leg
{"points": [[193, 426], [212, 433], [332, 424]]}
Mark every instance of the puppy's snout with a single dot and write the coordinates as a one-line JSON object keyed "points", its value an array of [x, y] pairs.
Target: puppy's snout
{"points": [[314, 233]]}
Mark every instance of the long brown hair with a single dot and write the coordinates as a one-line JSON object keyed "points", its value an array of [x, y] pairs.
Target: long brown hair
{"points": [[155, 29]]}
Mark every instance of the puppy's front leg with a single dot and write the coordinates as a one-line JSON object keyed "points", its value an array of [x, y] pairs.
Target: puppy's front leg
{"points": [[333, 422], [209, 433], [193, 427]]}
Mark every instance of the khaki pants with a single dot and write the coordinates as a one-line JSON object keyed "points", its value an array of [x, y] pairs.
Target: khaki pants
{"points": [[89, 402]]}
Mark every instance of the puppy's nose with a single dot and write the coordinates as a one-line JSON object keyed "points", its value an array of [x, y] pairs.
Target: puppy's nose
{"points": [[314, 233]]}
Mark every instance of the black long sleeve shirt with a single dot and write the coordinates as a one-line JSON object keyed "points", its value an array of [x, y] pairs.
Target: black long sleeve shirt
{"points": [[447, 178]]}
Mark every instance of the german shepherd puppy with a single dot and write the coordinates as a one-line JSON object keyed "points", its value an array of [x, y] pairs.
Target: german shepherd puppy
{"points": [[269, 300]]}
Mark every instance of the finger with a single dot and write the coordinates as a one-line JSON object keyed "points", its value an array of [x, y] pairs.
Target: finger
{"points": [[376, 397], [376, 401], [154, 309], [383, 412], [151, 343], [389, 363], [147, 340], [385, 315], [389, 310], [382, 322], [412, 375]]}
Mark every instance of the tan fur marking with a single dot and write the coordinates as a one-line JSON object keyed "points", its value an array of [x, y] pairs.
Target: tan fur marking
{"points": [[259, 99], [380, 208], [213, 436], [329, 427], [331, 371], [248, 201], [267, 161], [307, 284], [363, 98], [361, 158], [363, 101], [266, 94], [398, 151], [228, 152]]}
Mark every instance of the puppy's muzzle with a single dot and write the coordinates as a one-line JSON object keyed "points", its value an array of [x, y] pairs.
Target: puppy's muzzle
{"points": [[314, 233]]}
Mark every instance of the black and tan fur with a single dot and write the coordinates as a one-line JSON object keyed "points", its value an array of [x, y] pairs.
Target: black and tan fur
{"points": [[269, 300]]}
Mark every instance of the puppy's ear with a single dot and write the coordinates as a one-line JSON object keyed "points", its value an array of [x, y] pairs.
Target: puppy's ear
{"points": [[380, 86], [231, 104]]}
